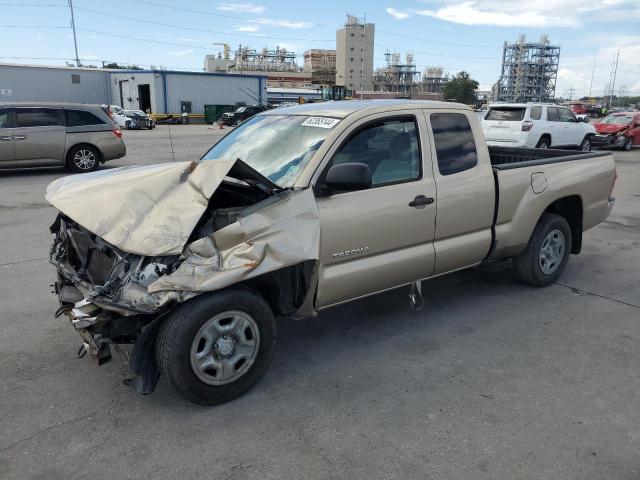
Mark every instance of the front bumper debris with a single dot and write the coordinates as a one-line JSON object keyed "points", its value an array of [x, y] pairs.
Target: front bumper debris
{"points": [[608, 140]]}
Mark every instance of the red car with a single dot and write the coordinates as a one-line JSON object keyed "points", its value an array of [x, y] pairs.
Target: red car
{"points": [[579, 108], [621, 130]]}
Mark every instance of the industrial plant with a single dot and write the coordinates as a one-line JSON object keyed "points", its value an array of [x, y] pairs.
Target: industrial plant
{"points": [[529, 71]]}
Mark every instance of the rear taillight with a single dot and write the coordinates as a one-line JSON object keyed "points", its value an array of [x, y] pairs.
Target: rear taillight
{"points": [[117, 132], [527, 125]]}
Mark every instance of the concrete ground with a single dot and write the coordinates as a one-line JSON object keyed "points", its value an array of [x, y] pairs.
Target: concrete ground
{"points": [[492, 380]]}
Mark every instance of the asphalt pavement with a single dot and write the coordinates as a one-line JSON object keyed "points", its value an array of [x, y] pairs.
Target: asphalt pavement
{"points": [[493, 379]]}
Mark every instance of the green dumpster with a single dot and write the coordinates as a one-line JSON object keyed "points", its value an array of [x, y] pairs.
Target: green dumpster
{"points": [[210, 114]]}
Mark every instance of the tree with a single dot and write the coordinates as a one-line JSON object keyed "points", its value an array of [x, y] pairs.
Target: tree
{"points": [[461, 88], [115, 65]]}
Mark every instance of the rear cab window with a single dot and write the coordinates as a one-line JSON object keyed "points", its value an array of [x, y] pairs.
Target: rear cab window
{"points": [[552, 114], [80, 118], [37, 117], [509, 114], [454, 142]]}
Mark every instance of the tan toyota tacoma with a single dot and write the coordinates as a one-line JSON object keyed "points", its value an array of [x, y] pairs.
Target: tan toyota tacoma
{"points": [[297, 210]]}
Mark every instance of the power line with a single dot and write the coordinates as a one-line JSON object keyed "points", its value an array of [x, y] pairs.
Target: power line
{"points": [[13, 4], [436, 54], [436, 42], [194, 29], [203, 12], [33, 26]]}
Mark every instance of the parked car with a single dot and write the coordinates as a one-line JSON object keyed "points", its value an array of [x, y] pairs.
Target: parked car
{"points": [[536, 125], [242, 114], [134, 120], [264, 226], [620, 130], [111, 110], [79, 137]]}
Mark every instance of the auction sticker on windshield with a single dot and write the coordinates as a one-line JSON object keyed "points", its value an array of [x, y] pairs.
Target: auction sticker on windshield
{"points": [[322, 122]]}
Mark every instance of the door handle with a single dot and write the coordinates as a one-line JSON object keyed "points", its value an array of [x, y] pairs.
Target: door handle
{"points": [[19, 137], [421, 201], [6, 139]]}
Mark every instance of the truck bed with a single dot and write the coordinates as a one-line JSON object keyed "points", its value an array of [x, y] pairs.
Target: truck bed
{"points": [[504, 158]]}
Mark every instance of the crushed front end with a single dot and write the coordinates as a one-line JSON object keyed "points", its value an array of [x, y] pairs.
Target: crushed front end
{"points": [[102, 289]]}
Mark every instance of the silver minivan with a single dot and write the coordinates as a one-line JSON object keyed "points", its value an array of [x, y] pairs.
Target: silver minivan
{"points": [[78, 136]]}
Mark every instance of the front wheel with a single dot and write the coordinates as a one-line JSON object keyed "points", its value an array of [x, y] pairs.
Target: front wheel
{"points": [[217, 346], [628, 144], [547, 253]]}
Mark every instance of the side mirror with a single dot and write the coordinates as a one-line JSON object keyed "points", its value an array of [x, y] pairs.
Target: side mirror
{"points": [[347, 177]]}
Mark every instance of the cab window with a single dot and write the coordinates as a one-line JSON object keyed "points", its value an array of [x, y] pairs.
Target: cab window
{"points": [[454, 142], [389, 147]]}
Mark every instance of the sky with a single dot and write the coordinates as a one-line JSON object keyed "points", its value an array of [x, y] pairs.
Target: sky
{"points": [[455, 34]]}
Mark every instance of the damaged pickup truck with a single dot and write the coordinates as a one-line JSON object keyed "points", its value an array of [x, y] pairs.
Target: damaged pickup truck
{"points": [[297, 210]]}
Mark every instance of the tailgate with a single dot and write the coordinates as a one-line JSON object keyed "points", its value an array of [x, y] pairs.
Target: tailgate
{"points": [[503, 124]]}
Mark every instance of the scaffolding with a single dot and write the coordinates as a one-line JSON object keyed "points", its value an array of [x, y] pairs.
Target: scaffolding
{"points": [[403, 77], [278, 60], [321, 64], [529, 71]]}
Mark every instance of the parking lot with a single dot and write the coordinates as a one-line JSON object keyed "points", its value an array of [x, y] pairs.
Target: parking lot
{"points": [[493, 379]]}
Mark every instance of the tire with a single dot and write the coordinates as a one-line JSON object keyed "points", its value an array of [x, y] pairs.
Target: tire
{"points": [[543, 143], [585, 146], [191, 335], [83, 159], [127, 125], [628, 145], [551, 238]]}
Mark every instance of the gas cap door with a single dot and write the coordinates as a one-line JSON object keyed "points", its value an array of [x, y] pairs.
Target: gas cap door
{"points": [[538, 182]]}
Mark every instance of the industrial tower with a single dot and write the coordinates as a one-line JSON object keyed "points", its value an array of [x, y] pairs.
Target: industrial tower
{"points": [[529, 71]]}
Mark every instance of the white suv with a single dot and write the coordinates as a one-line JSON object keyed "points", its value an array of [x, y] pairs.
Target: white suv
{"points": [[538, 125]]}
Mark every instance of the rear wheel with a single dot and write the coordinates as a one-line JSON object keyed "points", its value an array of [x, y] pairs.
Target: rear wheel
{"points": [[547, 253], [215, 347], [543, 143], [585, 146], [83, 158]]}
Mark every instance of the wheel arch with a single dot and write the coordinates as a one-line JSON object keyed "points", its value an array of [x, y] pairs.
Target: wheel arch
{"points": [[571, 209]]}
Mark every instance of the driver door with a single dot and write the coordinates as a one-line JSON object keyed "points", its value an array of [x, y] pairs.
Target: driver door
{"points": [[379, 238]]}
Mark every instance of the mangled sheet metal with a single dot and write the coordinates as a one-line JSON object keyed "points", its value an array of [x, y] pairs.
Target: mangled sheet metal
{"points": [[152, 211], [279, 235], [149, 210]]}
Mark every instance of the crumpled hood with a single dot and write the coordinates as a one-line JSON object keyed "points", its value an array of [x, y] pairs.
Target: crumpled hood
{"points": [[609, 128], [149, 210]]}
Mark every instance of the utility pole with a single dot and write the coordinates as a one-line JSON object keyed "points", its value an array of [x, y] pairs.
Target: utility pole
{"points": [[593, 71], [364, 33], [571, 90], [615, 72], [73, 26]]}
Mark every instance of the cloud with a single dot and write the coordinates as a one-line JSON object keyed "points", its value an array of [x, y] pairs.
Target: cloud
{"points": [[469, 13], [246, 28], [397, 14], [181, 53], [283, 23], [527, 13], [241, 7]]}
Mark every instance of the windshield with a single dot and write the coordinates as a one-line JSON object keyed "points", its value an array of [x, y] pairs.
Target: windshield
{"points": [[277, 146], [241, 109], [509, 114], [617, 120]]}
